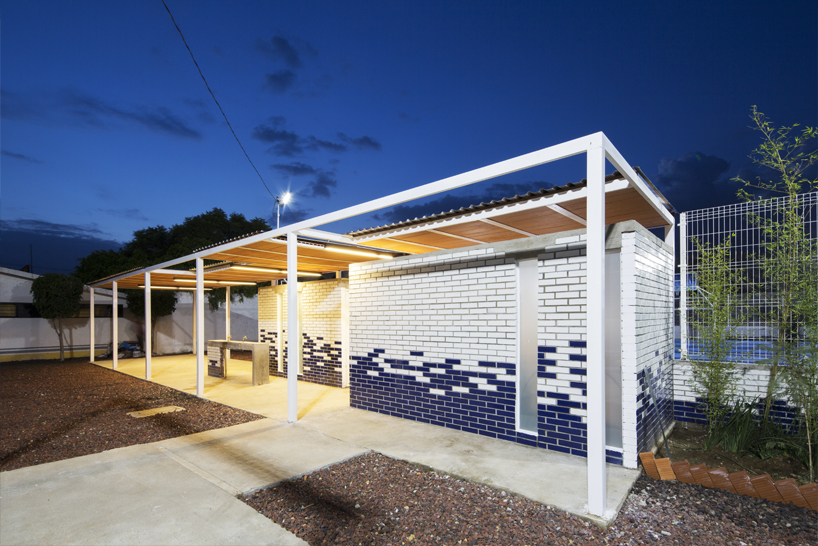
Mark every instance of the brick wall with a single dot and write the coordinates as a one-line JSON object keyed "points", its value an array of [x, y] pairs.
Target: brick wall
{"points": [[647, 341], [434, 337], [751, 385], [321, 329]]}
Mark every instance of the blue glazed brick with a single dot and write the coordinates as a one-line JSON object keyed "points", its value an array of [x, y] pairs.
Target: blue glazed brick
{"points": [[530, 441], [544, 349], [452, 361], [557, 395], [577, 343], [578, 358], [578, 385], [416, 353], [577, 371]]}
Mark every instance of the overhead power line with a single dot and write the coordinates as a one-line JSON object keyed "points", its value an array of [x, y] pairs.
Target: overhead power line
{"points": [[215, 100]]}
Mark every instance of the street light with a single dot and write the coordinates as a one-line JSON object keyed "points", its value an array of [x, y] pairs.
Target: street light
{"points": [[283, 200]]}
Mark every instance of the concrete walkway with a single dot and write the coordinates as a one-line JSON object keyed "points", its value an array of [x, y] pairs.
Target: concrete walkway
{"points": [[183, 490]]}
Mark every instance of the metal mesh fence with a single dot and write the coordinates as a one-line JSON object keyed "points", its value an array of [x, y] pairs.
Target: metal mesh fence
{"points": [[758, 303]]}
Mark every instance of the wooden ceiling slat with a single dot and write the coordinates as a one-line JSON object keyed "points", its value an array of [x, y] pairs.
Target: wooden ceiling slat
{"points": [[483, 231], [443, 241], [539, 221], [620, 205], [403, 246]]}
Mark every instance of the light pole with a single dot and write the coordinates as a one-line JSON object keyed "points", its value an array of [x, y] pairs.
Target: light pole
{"points": [[283, 200]]}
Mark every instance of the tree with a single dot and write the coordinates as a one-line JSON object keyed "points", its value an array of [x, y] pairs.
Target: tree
{"points": [[163, 303], [714, 302], [160, 244], [802, 370], [57, 296], [785, 156]]}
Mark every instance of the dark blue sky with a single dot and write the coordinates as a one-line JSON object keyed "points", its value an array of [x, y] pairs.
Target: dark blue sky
{"points": [[107, 127]]}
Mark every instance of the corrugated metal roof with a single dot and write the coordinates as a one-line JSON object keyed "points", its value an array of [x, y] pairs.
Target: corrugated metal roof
{"points": [[228, 241], [135, 269], [483, 206]]}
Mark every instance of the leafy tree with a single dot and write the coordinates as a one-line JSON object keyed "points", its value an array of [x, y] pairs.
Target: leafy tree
{"points": [[714, 302], [159, 244], [57, 296], [786, 155]]}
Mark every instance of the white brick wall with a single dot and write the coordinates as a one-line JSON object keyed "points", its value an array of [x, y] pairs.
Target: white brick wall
{"points": [[647, 338], [751, 381], [441, 305]]}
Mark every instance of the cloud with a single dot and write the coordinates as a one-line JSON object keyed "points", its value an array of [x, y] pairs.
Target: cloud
{"points": [[295, 169], [448, 202], [285, 143], [362, 143], [55, 248], [41, 227], [280, 81], [291, 216], [130, 214], [406, 117], [20, 156], [97, 112], [74, 107], [320, 187], [19, 106], [696, 178], [316, 144], [280, 49]]}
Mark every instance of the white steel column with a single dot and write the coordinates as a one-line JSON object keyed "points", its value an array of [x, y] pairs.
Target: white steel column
{"points": [[683, 285], [595, 324], [227, 322], [199, 340], [280, 333], [293, 358], [148, 320], [91, 324], [193, 324], [115, 325]]}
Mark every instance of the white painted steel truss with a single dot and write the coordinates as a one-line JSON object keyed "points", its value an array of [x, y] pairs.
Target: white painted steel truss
{"points": [[597, 148]]}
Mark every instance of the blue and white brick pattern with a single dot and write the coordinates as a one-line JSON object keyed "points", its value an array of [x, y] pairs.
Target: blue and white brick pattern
{"points": [[647, 268], [321, 325], [434, 338]]}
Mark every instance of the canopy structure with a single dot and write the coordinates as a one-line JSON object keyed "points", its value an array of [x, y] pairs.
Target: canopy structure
{"points": [[300, 251]]}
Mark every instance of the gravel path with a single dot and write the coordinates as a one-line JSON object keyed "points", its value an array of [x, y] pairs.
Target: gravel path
{"points": [[53, 411], [375, 500]]}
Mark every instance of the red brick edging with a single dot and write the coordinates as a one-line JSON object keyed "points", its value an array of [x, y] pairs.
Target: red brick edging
{"points": [[786, 491]]}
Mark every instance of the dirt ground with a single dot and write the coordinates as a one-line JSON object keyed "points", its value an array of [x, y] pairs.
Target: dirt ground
{"points": [[687, 442], [55, 410]]}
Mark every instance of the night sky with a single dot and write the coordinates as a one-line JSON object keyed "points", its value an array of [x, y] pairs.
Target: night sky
{"points": [[108, 128]]}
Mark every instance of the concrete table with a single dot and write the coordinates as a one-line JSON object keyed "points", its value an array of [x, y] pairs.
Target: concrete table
{"points": [[217, 367]]}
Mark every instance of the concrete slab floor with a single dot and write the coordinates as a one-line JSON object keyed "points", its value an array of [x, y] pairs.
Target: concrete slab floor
{"points": [[237, 390], [544, 476], [133, 495]]}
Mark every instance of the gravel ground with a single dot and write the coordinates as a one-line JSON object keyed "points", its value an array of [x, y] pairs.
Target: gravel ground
{"points": [[375, 500], [53, 411]]}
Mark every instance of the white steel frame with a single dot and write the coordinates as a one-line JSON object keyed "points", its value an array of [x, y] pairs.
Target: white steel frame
{"points": [[597, 148]]}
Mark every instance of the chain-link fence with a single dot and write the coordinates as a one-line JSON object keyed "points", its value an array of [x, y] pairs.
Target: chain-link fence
{"points": [[760, 301]]}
